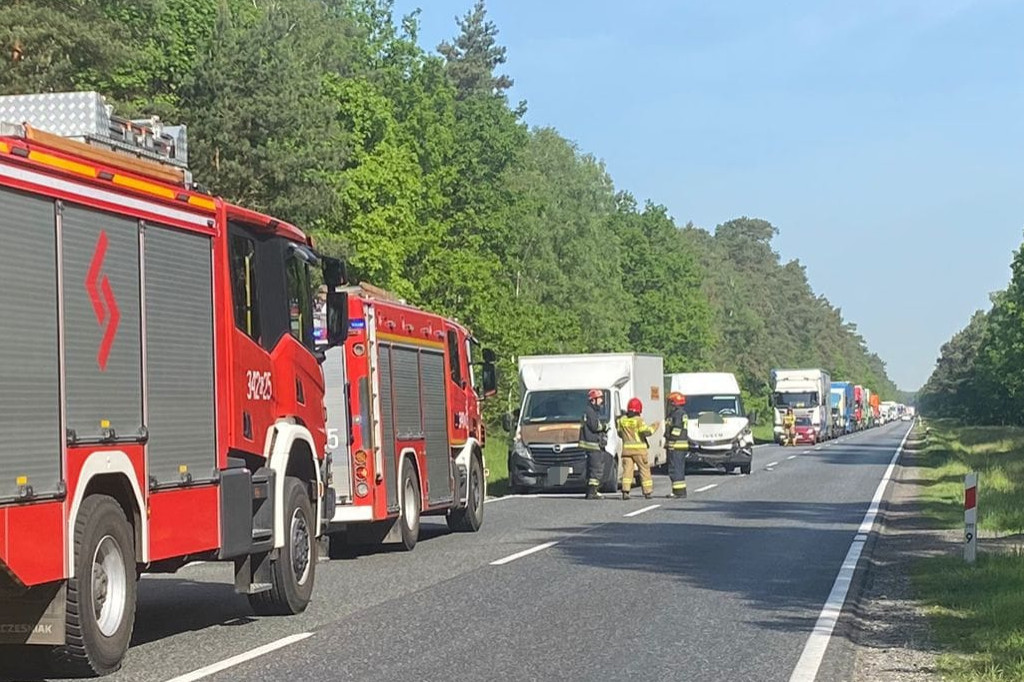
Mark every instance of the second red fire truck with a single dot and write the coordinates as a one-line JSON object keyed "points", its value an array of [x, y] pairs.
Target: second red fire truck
{"points": [[404, 423]]}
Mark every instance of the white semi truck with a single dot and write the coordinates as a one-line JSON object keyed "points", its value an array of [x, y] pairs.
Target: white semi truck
{"points": [[807, 392], [718, 428], [544, 454]]}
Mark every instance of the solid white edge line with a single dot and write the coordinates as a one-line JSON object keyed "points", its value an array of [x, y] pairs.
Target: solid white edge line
{"points": [[638, 512], [240, 658], [707, 487], [806, 669], [526, 552]]}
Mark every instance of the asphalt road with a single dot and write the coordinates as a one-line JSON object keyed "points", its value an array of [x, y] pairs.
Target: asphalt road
{"points": [[726, 585]]}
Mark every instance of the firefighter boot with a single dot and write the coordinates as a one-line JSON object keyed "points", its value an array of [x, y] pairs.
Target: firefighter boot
{"points": [[593, 493]]}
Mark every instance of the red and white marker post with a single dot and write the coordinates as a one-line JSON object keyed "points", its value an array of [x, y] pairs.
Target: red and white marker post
{"points": [[970, 517]]}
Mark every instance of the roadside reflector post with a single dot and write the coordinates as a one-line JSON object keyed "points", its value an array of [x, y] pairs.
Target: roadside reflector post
{"points": [[970, 517]]}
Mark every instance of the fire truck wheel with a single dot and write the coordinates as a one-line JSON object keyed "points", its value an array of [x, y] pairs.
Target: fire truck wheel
{"points": [[101, 597], [294, 569], [409, 517], [471, 517]]}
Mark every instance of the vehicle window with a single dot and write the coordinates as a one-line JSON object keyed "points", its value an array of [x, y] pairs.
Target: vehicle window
{"points": [[300, 302], [558, 406], [244, 286], [725, 405], [454, 358]]}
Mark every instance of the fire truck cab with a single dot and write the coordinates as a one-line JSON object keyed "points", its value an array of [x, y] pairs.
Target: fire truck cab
{"points": [[161, 398], [405, 429]]}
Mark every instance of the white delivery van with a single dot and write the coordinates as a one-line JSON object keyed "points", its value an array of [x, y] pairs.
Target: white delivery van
{"points": [[718, 428], [545, 453]]}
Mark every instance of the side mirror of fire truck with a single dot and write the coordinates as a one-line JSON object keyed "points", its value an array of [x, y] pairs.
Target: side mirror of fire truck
{"points": [[337, 318], [335, 272], [489, 378]]}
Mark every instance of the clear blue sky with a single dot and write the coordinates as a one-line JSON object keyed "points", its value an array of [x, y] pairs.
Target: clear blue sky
{"points": [[884, 138]]}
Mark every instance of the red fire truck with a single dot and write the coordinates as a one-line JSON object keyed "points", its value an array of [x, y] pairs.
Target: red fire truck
{"points": [[404, 423], [161, 398]]}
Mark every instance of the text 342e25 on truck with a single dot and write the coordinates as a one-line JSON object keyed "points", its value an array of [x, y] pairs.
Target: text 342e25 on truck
{"points": [[162, 395]]}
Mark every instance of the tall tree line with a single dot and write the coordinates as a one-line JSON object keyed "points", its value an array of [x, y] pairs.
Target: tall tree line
{"points": [[979, 375], [417, 168]]}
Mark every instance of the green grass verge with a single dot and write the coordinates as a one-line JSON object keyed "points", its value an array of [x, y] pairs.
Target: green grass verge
{"points": [[977, 612], [496, 462], [996, 453], [764, 433]]}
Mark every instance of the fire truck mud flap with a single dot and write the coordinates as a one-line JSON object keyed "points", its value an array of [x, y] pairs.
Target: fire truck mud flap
{"points": [[32, 615]]}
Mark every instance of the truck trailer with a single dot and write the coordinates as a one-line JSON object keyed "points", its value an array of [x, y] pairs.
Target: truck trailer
{"points": [[806, 392], [843, 406], [545, 452]]}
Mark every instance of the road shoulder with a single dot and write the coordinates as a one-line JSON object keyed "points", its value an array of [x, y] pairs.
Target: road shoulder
{"points": [[884, 631]]}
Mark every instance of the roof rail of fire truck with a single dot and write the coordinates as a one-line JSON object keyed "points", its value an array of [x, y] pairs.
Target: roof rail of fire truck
{"points": [[83, 124]]}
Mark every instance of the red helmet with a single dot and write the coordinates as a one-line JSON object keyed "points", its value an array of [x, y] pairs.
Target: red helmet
{"points": [[677, 398], [594, 394], [634, 405]]}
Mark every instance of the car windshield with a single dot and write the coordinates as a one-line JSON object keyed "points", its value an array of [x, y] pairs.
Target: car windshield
{"points": [[795, 399], [558, 406], [725, 405], [803, 421]]}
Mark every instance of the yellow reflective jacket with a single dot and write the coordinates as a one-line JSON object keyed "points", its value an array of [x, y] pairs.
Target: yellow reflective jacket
{"points": [[633, 431]]}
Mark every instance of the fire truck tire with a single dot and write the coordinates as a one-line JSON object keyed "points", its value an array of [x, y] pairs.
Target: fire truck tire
{"points": [[471, 517], [101, 597], [409, 517], [295, 567]]}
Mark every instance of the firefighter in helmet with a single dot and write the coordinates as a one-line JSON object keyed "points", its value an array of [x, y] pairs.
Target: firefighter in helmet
{"points": [[789, 426], [634, 433], [676, 443], [593, 439]]}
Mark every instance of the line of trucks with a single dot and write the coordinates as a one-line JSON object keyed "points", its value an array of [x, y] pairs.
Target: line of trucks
{"points": [[826, 409], [544, 454], [169, 398]]}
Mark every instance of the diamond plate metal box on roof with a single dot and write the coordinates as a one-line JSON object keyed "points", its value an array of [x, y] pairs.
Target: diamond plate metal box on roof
{"points": [[68, 114]]}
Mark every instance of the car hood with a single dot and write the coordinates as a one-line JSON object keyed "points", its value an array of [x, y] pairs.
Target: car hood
{"points": [[724, 428]]}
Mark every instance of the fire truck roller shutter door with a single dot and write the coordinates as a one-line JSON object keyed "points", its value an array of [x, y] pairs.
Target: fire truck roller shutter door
{"points": [[179, 356], [435, 426], [102, 336], [30, 425], [387, 419]]}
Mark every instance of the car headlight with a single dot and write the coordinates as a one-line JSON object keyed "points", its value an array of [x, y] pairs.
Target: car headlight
{"points": [[521, 450]]}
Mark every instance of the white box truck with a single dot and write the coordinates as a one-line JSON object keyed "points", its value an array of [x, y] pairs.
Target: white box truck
{"points": [[544, 454], [807, 392], [718, 428]]}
